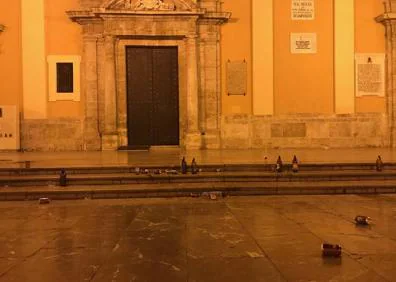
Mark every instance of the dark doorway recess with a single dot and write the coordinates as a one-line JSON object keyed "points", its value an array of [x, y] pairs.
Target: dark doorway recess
{"points": [[152, 96]]}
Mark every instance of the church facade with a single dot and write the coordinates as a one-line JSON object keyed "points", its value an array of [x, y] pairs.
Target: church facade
{"points": [[197, 74]]}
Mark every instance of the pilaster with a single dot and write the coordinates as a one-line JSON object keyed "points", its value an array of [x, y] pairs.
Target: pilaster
{"points": [[90, 89], [110, 135], [193, 136], [210, 91], [34, 76]]}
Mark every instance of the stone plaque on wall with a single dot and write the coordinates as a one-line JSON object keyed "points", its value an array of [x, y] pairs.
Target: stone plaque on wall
{"points": [[303, 43], [302, 10], [370, 75], [236, 77]]}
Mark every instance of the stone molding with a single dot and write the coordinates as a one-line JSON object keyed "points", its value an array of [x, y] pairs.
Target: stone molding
{"points": [[89, 15], [386, 17]]}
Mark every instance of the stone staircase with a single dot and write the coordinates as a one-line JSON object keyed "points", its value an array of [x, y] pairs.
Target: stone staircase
{"points": [[230, 179]]}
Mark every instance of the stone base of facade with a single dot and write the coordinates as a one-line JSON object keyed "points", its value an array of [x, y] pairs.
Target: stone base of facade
{"points": [[52, 135], [238, 132], [211, 140], [92, 143], [305, 131], [110, 142], [193, 141]]}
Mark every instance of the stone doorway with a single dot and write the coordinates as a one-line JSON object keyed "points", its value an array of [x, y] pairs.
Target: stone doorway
{"points": [[152, 96], [190, 25]]}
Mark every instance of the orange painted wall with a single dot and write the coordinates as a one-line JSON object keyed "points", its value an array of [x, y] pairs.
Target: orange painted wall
{"points": [[236, 46], [63, 37], [369, 38], [303, 83], [10, 55]]}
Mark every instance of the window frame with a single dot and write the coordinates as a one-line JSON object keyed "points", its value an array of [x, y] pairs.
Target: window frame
{"points": [[53, 94]]}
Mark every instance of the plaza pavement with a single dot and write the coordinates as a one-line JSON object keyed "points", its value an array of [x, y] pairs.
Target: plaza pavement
{"points": [[243, 239]]}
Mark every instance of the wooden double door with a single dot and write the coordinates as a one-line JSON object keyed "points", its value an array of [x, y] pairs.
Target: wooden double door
{"points": [[152, 96]]}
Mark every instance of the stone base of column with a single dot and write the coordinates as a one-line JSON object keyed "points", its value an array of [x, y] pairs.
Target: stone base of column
{"points": [[91, 140], [211, 140], [109, 142], [193, 141], [92, 144]]}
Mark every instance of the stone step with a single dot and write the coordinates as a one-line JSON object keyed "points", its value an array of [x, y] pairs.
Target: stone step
{"points": [[204, 177], [220, 189], [27, 170]]}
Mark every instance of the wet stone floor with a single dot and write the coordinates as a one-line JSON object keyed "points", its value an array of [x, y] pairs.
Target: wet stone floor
{"points": [[241, 239]]}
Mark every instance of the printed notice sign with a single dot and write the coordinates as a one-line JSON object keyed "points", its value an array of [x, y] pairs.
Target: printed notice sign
{"points": [[303, 43], [303, 10], [370, 75]]}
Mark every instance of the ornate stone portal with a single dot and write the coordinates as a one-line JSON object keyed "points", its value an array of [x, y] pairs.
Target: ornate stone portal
{"points": [[109, 26]]}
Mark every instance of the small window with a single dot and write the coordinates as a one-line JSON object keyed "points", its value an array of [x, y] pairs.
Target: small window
{"points": [[1, 112], [64, 77]]}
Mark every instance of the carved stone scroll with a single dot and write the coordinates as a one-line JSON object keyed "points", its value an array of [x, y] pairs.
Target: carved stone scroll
{"points": [[149, 5]]}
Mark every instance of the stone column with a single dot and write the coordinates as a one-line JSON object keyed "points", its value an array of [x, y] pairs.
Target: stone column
{"points": [[388, 19], [89, 71], [110, 135], [193, 136]]}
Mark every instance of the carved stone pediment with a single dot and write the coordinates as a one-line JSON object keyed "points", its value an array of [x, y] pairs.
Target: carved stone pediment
{"points": [[150, 5]]}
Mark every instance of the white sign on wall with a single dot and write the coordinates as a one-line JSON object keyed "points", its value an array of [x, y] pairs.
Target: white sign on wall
{"points": [[303, 43], [303, 9], [9, 128], [370, 75]]}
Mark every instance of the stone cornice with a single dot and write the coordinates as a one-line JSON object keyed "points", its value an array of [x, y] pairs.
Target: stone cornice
{"points": [[218, 17], [2, 27], [84, 16], [386, 17], [99, 13]]}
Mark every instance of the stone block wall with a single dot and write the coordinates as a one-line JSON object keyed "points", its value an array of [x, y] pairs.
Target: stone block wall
{"points": [[52, 135], [304, 131]]}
